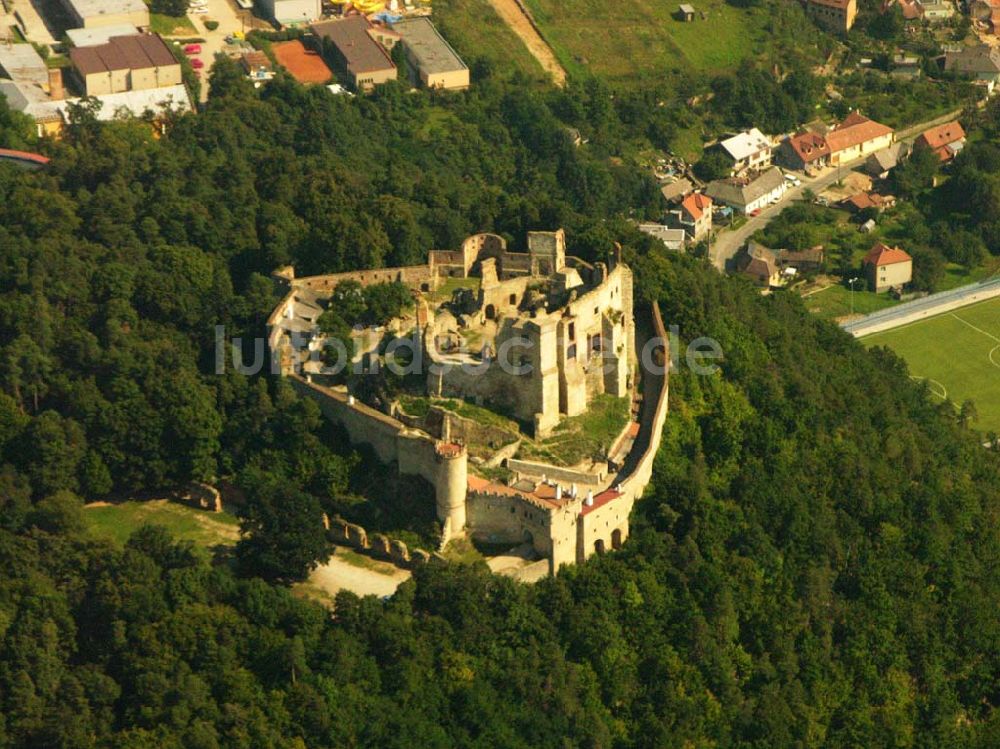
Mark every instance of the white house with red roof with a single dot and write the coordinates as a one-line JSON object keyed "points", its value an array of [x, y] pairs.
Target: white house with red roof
{"points": [[887, 267], [945, 140], [694, 215]]}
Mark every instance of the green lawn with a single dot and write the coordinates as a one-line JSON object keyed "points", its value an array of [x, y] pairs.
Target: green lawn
{"points": [[205, 529], [170, 25], [835, 301], [635, 38], [958, 353], [474, 29], [443, 292], [588, 435]]}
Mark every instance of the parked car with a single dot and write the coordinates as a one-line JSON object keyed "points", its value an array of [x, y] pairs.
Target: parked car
{"points": [[755, 212], [192, 49], [197, 64]]}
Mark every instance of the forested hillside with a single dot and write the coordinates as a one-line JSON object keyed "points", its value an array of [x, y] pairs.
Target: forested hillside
{"points": [[815, 563]]}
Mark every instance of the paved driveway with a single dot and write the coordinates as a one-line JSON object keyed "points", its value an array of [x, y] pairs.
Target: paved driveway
{"points": [[225, 13], [728, 243]]}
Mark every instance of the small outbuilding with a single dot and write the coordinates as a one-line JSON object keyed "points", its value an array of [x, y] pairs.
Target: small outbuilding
{"points": [[685, 13]]}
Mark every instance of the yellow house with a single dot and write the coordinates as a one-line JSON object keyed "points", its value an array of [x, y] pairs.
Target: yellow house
{"points": [[887, 267], [834, 15], [855, 137]]}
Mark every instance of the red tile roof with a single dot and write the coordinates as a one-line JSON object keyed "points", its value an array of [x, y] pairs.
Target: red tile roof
{"points": [[854, 130], [860, 201], [600, 500], [938, 137], [7, 153], [882, 254], [696, 204], [809, 146]]}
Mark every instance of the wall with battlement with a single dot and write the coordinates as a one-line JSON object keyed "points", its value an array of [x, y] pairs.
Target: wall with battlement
{"points": [[414, 453], [561, 380], [411, 275], [564, 475], [600, 523]]}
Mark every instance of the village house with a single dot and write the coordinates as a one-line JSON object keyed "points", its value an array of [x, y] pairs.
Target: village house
{"points": [[945, 140], [863, 201], [694, 215], [936, 12], [759, 264], [912, 9], [750, 193], [980, 63], [887, 268], [673, 239], [880, 163], [805, 152], [833, 15], [747, 151], [855, 137], [803, 261], [677, 190], [986, 12]]}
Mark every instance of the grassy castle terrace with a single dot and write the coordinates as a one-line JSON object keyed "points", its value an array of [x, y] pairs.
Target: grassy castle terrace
{"points": [[587, 438]]}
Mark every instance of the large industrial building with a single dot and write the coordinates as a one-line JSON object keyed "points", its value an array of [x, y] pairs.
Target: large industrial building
{"points": [[125, 63], [292, 12], [432, 59], [349, 43], [90, 14]]}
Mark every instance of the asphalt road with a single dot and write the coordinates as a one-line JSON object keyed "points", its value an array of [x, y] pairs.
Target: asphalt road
{"points": [[727, 243]]}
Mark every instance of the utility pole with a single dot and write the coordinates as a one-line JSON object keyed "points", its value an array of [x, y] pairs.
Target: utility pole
{"points": [[852, 281]]}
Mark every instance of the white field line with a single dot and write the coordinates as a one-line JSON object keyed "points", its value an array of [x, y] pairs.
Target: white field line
{"points": [[979, 330]]}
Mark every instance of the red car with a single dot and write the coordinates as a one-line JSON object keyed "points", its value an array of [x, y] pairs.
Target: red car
{"points": [[755, 212], [192, 49], [197, 64]]}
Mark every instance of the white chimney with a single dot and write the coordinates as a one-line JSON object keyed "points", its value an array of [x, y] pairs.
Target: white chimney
{"points": [[558, 491], [572, 491], [589, 501], [350, 400]]}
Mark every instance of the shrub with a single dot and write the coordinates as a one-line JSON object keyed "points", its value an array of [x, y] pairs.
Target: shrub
{"points": [[211, 25]]}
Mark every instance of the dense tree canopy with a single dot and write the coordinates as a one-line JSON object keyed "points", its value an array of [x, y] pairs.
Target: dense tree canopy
{"points": [[814, 563]]}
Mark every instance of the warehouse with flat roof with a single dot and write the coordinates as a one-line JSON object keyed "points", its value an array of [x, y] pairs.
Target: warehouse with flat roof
{"points": [[434, 61], [90, 14], [353, 49]]}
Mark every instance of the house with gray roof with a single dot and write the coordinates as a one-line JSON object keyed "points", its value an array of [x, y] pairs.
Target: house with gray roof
{"points": [[749, 193], [980, 63]]}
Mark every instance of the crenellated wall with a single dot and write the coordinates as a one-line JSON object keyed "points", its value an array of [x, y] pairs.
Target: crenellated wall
{"points": [[565, 373], [415, 453]]}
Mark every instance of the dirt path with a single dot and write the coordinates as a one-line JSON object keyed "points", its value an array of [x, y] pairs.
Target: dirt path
{"points": [[377, 578], [515, 17]]}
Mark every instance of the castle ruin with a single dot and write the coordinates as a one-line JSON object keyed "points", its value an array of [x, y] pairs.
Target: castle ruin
{"points": [[533, 335]]}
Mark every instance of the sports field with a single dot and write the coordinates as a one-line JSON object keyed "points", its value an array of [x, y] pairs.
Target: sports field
{"points": [[958, 353]]}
